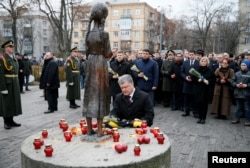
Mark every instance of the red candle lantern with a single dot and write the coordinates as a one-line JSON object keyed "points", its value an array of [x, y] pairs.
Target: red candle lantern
{"points": [[160, 138], [67, 136], [37, 143], [65, 126], [84, 129], [114, 130], [137, 150], [48, 150], [116, 136], [94, 124], [61, 122], [44, 133], [156, 131], [144, 124], [82, 122]]}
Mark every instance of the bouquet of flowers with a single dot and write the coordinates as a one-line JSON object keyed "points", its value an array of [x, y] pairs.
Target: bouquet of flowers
{"points": [[112, 71], [195, 73], [134, 68]]}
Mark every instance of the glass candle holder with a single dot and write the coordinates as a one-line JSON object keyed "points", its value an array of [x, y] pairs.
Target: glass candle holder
{"points": [[137, 150], [44, 133], [65, 126], [82, 122], [61, 122], [160, 138], [144, 124], [84, 129], [116, 136], [37, 143], [67, 136], [48, 150]]}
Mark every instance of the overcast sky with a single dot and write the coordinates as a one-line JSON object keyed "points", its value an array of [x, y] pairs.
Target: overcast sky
{"points": [[177, 8], [173, 8]]}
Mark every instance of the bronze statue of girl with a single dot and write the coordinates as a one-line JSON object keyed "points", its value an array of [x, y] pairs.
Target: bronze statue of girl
{"points": [[96, 100]]}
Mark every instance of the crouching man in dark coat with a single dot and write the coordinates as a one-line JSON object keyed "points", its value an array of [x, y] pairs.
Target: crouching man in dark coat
{"points": [[132, 103]]}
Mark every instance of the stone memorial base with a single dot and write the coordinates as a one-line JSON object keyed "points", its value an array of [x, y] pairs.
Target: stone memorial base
{"points": [[81, 153]]}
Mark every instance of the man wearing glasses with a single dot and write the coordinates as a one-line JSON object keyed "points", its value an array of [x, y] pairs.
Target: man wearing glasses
{"points": [[10, 101]]}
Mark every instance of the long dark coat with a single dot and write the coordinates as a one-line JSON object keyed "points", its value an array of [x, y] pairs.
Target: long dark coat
{"points": [[73, 76], [221, 99], [177, 81], [121, 68], [50, 75], [10, 104], [166, 79]]}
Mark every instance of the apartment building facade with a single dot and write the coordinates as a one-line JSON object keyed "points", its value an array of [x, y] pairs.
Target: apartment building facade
{"points": [[132, 25], [244, 13], [34, 33]]}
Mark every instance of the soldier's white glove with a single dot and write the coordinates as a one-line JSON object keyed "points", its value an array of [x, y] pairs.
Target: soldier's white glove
{"points": [[71, 84], [5, 92]]}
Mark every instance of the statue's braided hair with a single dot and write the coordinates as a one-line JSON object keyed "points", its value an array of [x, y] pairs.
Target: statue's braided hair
{"points": [[98, 13]]}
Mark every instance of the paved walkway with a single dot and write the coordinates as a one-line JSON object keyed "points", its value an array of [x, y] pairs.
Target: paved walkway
{"points": [[190, 142]]}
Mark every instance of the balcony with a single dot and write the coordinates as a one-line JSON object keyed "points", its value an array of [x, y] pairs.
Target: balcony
{"points": [[123, 16]]}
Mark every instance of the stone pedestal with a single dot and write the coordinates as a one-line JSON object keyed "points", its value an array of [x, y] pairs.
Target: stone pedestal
{"points": [[83, 154]]}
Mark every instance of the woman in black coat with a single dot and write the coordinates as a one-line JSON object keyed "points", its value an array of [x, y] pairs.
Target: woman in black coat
{"points": [[202, 90]]}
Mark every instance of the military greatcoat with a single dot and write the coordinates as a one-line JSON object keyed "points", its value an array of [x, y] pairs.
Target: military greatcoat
{"points": [[73, 79], [10, 103]]}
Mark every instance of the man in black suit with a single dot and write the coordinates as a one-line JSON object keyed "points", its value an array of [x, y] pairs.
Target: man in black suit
{"points": [[50, 82], [188, 86], [132, 103]]}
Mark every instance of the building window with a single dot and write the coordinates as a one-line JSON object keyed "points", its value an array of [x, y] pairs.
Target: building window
{"points": [[248, 2], [115, 44], [115, 23], [248, 29], [137, 22], [126, 13], [115, 34], [44, 23], [247, 40], [137, 45], [248, 15], [75, 34], [76, 44], [45, 40], [137, 34], [116, 12], [137, 11], [125, 33], [75, 24], [85, 25], [84, 34], [45, 32]]}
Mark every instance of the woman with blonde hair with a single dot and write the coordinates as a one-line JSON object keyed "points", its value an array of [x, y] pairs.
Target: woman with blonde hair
{"points": [[201, 91]]}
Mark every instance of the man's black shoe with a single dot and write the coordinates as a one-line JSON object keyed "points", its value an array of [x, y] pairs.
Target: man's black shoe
{"points": [[77, 105], [185, 115], [73, 106], [14, 124], [199, 121], [49, 111], [7, 126]]}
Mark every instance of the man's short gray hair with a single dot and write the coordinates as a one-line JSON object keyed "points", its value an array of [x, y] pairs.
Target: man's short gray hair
{"points": [[125, 78]]}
